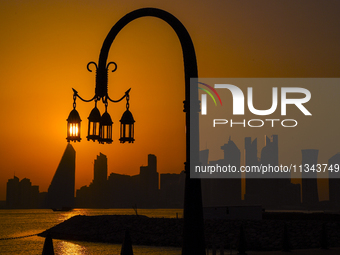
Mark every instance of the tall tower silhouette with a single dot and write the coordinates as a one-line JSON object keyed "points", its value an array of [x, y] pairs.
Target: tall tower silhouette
{"points": [[99, 184], [231, 187], [148, 183], [263, 191], [310, 195], [100, 169], [61, 191], [270, 186], [270, 152], [252, 195], [277, 185]]}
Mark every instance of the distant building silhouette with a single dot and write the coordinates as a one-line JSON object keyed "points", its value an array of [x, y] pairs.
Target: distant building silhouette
{"points": [[99, 184], [253, 194], [172, 190], [96, 194], [119, 190], [310, 195], [122, 191], [21, 194], [278, 191], [204, 157], [270, 152], [61, 191], [262, 191], [275, 191], [13, 193], [83, 197], [250, 150], [334, 181], [148, 183], [100, 169], [227, 189]]}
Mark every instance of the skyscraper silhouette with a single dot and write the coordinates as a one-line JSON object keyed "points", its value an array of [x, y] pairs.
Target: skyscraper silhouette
{"points": [[275, 186], [61, 191], [99, 184], [122, 191], [148, 183], [13, 193], [310, 195], [252, 195], [100, 169], [276, 190], [21, 194], [270, 152], [262, 189], [225, 190], [172, 190]]}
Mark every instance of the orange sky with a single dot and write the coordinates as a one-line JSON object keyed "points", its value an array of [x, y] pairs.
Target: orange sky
{"points": [[46, 45]]}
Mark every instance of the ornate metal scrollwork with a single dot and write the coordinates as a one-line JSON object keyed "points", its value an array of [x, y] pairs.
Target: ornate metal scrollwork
{"points": [[88, 66]]}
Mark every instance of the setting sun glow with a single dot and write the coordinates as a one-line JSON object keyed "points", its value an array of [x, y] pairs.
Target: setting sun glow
{"points": [[74, 129], [46, 45]]}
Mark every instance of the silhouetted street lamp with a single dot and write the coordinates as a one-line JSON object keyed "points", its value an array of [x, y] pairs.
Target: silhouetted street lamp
{"points": [[100, 127]]}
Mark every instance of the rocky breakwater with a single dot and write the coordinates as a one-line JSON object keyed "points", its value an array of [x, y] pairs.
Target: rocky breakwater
{"points": [[111, 229], [303, 231]]}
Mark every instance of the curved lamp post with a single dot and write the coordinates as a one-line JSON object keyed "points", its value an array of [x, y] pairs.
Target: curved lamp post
{"points": [[193, 230]]}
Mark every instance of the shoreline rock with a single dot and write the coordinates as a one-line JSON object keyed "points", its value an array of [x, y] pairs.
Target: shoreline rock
{"points": [[264, 235]]}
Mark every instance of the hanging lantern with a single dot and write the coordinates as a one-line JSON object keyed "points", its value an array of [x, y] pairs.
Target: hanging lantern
{"points": [[127, 124], [106, 128], [94, 125], [127, 127], [73, 126]]}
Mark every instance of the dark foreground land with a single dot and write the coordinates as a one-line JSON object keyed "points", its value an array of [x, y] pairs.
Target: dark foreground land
{"points": [[304, 231]]}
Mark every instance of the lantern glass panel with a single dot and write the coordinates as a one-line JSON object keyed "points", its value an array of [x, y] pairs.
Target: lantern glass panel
{"points": [[73, 126], [106, 129], [94, 124]]}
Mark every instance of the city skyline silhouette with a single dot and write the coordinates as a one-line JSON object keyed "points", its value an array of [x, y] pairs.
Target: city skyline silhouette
{"points": [[150, 189]]}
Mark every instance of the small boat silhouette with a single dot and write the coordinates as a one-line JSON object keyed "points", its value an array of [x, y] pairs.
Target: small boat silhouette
{"points": [[63, 209]]}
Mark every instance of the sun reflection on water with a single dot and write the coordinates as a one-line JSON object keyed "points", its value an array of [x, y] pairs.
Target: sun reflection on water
{"points": [[66, 215], [70, 248], [81, 248], [19, 223]]}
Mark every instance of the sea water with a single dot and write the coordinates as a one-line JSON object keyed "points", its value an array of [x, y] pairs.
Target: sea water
{"points": [[18, 229]]}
